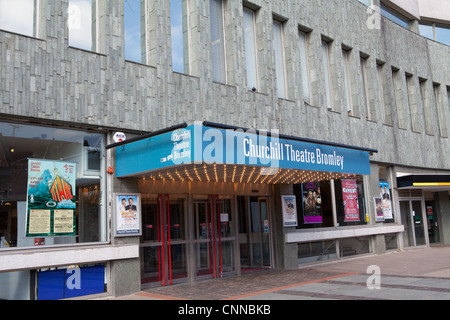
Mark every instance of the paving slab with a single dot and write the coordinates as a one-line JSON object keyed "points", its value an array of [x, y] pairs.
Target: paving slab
{"points": [[421, 274]]}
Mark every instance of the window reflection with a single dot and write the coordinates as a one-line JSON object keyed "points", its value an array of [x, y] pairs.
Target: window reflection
{"points": [[134, 23], [18, 16], [81, 26]]}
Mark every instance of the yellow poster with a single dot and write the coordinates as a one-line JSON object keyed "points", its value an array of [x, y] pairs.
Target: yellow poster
{"points": [[63, 221], [39, 222]]}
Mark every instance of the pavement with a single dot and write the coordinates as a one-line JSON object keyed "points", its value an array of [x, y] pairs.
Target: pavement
{"points": [[418, 274]]}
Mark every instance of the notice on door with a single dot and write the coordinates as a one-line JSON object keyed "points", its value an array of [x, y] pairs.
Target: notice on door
{"points": [[39, 222]]}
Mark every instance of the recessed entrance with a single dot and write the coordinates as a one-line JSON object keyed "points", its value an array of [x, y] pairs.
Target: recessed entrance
{"points": [[163, 242], [213, 237], [254, 236]]}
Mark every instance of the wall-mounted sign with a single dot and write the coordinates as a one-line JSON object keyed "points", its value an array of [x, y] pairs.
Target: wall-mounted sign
{"points": [[127, 213], [51, 198], [119, 137]]}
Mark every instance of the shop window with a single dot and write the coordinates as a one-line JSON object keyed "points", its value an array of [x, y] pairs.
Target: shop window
{"points": [[82, 24], [20, 16], [134, 24], [51, 186], [350, 201], [314, 204]]}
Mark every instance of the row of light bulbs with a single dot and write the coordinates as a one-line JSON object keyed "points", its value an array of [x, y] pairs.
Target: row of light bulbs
{"points": [[243, 174]]}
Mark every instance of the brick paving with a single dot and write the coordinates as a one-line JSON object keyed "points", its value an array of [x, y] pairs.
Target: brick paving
{"points": [[240, 286], [420, 274]]}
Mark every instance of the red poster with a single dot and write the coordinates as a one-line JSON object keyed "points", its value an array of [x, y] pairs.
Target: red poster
{"points": [[350, 197]]}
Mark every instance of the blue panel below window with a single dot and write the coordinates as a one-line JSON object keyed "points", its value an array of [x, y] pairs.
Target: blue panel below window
{"points": [[92, 282], [51, 285]]}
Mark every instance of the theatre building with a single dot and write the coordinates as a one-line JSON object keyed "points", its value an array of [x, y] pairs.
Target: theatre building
{"points": [[147, 143]]}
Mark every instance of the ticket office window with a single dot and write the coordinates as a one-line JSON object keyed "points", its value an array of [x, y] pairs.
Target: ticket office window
{"points": [[67, 166]]}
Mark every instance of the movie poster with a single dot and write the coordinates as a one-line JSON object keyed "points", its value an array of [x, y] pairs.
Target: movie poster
{"points": [[350, 198], [128, 214], [378, 203], [289, 211], [312, 203], [51, 198]]}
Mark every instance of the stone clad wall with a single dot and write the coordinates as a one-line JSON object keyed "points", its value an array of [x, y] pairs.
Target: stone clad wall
{"points": [[46, 79]]}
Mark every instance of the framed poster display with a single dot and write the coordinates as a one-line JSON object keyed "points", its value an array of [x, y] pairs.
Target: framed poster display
{"points": [[350, 197], [51, 199], [378, 203], [312, 203], [385, 195], [289, 207], [127, 213]]}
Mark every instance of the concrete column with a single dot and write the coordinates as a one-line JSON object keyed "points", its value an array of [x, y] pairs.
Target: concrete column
{"points": [[286, 252]]}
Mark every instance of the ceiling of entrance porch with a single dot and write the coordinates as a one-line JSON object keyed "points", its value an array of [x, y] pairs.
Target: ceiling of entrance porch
{"points": [[240, 174]]}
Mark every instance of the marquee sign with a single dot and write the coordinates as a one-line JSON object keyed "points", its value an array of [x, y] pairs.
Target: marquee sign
{"points": [[201, 144]]}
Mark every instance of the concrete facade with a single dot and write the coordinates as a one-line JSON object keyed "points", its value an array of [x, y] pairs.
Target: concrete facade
{"points": [[45, 80]]}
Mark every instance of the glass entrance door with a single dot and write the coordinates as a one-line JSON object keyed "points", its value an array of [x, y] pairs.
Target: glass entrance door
{"points": [[413, 221], [213, 236], [163, 242], [254, 239]]}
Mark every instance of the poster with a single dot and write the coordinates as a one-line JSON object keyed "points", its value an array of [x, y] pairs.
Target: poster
{"points": [[312, 203], [350, 198], [51, 198], [289, 206], [378, 203], [127, 214], [385, 195]]}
